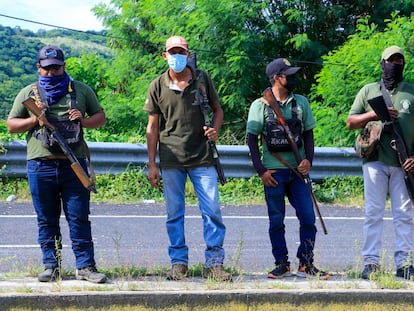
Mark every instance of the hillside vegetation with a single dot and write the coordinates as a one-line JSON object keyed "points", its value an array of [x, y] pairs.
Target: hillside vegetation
{"points": [[337, 43]]}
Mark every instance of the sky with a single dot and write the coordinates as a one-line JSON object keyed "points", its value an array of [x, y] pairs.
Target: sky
{"points": [[73, 14]]}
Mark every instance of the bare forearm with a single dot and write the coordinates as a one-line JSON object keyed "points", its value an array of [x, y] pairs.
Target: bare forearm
{"points": [[94, 121], [357, 121], [21, 125]]}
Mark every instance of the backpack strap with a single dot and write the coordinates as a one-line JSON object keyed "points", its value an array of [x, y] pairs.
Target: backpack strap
{"points": [[201, 96], [72, 93]]}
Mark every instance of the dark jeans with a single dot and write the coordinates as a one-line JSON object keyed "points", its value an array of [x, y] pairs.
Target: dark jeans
{"points": [[54, 185], [297, 193]]}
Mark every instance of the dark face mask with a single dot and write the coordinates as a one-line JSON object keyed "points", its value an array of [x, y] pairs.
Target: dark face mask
{"points": [[291, 83], [392, 74]]}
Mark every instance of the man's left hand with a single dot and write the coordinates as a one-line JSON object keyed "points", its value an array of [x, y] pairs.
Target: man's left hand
{"points": [[210, 133], [304, 167]]}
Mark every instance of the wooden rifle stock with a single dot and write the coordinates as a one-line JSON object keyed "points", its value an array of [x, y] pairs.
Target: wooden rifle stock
{"points": [[39, 112], [270, 97]]}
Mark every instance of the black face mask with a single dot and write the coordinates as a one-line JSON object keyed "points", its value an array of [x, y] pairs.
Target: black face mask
{"points": [[291, 83], [392, 74]]}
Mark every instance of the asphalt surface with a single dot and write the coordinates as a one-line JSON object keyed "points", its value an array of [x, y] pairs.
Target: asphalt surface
{"points": [[250, 290]]}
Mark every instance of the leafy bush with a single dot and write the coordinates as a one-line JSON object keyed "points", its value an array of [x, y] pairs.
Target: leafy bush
{"points": [[132, 186]]}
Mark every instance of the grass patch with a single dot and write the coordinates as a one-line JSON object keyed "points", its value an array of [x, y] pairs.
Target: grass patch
{"points": [[132, 186]]}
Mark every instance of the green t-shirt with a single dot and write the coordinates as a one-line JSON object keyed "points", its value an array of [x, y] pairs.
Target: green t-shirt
{"points": [[256, 125], [181, 136], [402, 98], [86, 102]]}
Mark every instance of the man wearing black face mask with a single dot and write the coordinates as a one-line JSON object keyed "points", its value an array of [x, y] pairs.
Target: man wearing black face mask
{"points": [[382, 171], [53, 184], [278, 180]]}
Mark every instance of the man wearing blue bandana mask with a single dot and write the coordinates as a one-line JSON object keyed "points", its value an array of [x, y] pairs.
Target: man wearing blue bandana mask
{"points": [[53, 184], [176, 126]]}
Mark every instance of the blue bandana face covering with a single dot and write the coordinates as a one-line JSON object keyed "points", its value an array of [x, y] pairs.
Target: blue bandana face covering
{"points": [[54, 87], [177, 62]]}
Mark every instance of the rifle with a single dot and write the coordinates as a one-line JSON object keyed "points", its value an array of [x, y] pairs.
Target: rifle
{"points": [[379, 105], [39, 111], [203, 100], [270, 98]]}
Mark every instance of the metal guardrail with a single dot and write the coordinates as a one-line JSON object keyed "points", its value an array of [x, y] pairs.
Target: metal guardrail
{"points": [[115, 158]]}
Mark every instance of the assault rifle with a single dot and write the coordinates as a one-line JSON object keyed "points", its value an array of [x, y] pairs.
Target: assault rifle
{"points": [[39, 112], [398, 144], [270, 98], [201, 97]]}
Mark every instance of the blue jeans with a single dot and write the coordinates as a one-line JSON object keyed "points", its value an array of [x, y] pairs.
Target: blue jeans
{"points": [[299, 197], [54, 185], [204, 180]]}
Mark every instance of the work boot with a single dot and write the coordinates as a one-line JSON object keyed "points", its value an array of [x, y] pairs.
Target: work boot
{"points": [[406, 272], [49, 275], [369, 269], [217, 273], [178, 272], [90, 274]]}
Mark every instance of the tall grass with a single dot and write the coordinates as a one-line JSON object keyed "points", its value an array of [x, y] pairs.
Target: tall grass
{"points": [[132, 186]]}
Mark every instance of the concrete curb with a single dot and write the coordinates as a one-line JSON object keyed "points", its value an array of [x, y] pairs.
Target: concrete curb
{"points": [[192, 299], [154, 293]]}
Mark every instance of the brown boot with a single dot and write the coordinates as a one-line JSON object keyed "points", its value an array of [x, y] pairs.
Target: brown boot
{"points": [[178, 272], [217, 273]]}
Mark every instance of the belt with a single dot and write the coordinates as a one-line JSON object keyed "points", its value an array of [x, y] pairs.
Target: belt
{"points": [[54, 158]]}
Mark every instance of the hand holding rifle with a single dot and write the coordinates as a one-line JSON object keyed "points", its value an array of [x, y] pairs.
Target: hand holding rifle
{"points": [[39, 110]]}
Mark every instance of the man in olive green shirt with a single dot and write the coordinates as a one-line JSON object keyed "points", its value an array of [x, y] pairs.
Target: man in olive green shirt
{"points": [[176, 125], [382, 171], [53, 184]]}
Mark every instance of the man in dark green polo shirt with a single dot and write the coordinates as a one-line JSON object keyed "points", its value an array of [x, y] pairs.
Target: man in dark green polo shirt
{"points": [[176, 126]]}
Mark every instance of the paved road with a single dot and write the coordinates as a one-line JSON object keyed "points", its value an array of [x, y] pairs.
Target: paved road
{"points": [[134, 235]]}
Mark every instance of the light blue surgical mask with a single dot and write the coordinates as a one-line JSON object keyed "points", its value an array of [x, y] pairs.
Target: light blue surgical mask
{"points": [[177, 62]]}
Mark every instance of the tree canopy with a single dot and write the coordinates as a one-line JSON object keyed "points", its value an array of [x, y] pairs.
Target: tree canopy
{"points": [[233, 40], [348, 68]]}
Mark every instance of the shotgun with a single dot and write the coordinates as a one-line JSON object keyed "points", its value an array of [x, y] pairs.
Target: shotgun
{"points": [[39, 110], [379, 105], [270, 98], [203, 101]]}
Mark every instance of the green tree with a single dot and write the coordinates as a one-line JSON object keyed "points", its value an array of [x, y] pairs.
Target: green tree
{"points": [[233, 40], [350, 67]]}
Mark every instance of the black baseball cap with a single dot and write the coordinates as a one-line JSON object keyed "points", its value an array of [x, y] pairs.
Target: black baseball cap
{"points": [[50, 55], [280, 66]]}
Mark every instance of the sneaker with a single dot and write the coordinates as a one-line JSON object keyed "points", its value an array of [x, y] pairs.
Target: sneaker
{"points": [[369, 269], [309, 270], [217, 273], [90, 274], [406, 273], [280, 271], [49, 275], [178, 272]]}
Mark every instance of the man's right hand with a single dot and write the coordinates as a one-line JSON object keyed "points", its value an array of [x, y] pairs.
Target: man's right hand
{"points": [[154, 177], [268, 179]]}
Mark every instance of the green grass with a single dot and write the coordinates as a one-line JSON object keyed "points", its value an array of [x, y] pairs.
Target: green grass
{"points": [[132, 186]]}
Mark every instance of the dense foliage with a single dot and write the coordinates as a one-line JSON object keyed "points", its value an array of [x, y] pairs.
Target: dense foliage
{"points": [[350, 67], [232, 39]]}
